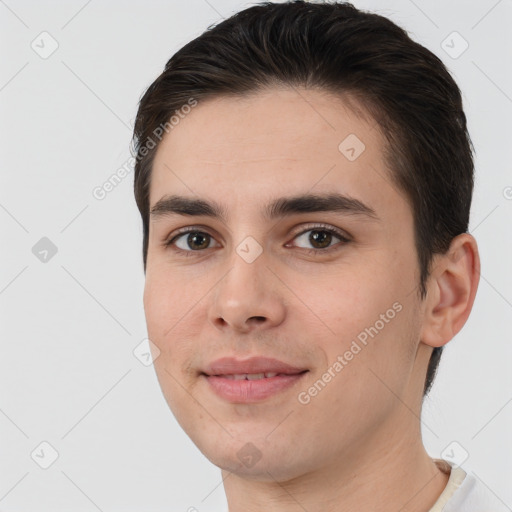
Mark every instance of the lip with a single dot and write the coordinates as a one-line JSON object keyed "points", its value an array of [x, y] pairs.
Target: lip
{"points": [[219, 375], [256, 364]]}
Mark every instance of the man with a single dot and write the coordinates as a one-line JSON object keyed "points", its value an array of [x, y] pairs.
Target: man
{"points": [[304, 176]]}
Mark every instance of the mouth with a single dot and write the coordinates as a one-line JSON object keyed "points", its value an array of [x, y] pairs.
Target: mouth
{"points": [[253, 366], [252, 380], [254, 376], [251, 388]]}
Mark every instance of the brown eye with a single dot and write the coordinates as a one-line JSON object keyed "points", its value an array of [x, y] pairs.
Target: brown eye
{"points": [[193, 241], [320, 238]]}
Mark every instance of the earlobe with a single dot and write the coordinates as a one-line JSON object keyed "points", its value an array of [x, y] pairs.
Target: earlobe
{"points": [[451, 291]]}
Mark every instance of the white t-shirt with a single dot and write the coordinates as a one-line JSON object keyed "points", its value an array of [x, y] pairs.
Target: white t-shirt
{"points": [[465, 493]]}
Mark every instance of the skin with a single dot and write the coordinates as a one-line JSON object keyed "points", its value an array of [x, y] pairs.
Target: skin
{"points": [[357, 444]]}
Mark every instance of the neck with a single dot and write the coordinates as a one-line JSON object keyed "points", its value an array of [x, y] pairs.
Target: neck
{"points": [[389, 471]]}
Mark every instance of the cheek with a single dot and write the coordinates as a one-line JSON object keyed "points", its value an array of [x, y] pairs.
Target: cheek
{"points": [[168, 295], [159, 305], [369, 357], [350, 299], [368, 314], [169, 306]]}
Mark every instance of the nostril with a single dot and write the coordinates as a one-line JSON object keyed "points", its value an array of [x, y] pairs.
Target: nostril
{"points": [[258, 318]]}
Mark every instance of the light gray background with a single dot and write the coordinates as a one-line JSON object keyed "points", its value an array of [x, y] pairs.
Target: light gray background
{"points": [[69, 326]]}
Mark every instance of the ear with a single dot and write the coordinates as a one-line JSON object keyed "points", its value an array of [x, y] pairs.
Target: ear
{"points": [[451, 290]]}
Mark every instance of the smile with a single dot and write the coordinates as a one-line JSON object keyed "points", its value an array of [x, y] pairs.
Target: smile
{"points": [[251, 387]]}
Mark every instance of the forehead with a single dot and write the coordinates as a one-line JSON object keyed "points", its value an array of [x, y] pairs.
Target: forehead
{"points": [[241, 149]]}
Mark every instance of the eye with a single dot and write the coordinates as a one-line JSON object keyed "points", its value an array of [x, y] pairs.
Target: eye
{"points": [[320, 238], [192, 240], [317, 239]]}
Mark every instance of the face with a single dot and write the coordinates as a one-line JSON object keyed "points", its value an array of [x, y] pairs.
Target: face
{"points": [[326, 283]]}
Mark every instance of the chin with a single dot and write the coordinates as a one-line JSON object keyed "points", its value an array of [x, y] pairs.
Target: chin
{"points": [[258, 461]]}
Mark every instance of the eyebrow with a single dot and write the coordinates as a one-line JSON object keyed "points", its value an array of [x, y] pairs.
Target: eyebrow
{"points": [[278, 208]]}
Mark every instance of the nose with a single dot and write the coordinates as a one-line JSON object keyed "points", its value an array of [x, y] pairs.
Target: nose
{"points": [[247, 298]]}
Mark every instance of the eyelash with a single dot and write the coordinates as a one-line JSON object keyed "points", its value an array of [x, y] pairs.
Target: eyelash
{"points": [[315, 252]]}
